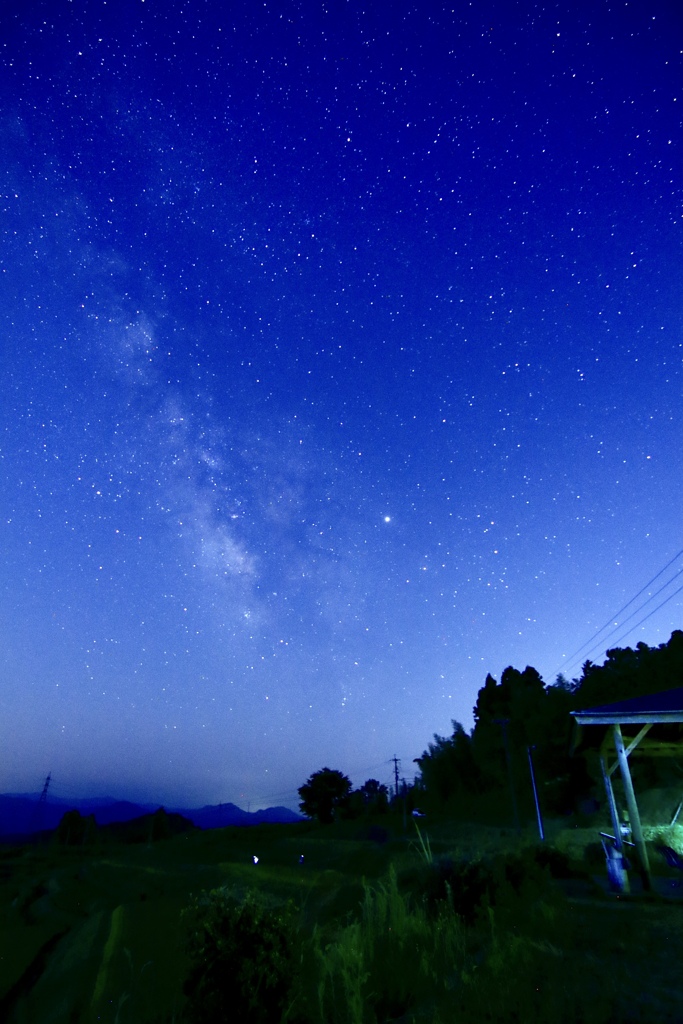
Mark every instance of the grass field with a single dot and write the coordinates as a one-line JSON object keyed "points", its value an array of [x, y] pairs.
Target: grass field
{"points": [[96, 934]]}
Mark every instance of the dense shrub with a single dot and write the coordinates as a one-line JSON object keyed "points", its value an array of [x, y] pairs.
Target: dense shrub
{"points": [[242, 951], [556, 861], [507, 881]]}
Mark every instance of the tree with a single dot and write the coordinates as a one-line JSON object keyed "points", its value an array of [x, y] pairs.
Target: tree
{"points": [[373, 797], [634, 672], [532, 715], [447, 768], [374, 791], [75, 830], [322, 793]]}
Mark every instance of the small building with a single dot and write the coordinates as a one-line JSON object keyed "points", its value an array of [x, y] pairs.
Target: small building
{"points": [[641, 718]]}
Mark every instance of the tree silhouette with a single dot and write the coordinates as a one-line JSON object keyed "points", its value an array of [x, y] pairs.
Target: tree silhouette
{"points": [[447, 767], [370, 798], [75, 830], [374, 792], [322, 793]]}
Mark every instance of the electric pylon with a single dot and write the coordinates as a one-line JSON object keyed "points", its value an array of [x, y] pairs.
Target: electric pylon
{"points": [[37, 817]]}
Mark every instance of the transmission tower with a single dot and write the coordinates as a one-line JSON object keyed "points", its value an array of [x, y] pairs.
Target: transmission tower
{"points": [[37, 817]]}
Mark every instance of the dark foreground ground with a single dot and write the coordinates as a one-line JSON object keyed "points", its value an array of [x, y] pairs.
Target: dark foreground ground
{"points": [[95, 934]]}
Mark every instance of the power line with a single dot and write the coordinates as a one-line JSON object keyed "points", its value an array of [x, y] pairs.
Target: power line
{"points": [[650, 614], [644, 605], [620, 625], [572, 657]]}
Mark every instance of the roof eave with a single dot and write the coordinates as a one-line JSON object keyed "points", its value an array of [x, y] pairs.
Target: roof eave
{"points": [[616, 718]]}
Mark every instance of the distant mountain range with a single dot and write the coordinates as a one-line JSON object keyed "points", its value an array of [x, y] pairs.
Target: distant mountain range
{"points": [[21, 814]]}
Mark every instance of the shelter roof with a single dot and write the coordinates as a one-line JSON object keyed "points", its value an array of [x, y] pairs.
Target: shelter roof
{"points": [[666, 706]]}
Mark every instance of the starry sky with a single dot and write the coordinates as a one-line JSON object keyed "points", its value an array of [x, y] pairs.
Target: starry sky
{"points": [[340, 365]]}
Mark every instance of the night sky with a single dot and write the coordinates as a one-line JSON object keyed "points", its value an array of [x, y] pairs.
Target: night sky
{"points": [[340, 365]]}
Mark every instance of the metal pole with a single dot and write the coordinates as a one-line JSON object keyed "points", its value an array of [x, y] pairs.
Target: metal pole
{"points": [[632, 807], [613, 813], [533, 784]]}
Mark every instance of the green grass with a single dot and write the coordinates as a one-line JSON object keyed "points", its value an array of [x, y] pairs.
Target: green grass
{"points": [[392, 960], [374, 948]]}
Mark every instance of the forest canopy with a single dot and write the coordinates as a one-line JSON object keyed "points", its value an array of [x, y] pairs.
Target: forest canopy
{"points": [[521, 716]]}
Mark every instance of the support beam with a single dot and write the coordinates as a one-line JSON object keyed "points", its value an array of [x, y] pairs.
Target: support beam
{"points": [[629, 749], [636, 740], [629, 792]]}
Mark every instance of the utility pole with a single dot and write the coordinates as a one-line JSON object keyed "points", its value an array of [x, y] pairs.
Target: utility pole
{"points": [[396, 761]]}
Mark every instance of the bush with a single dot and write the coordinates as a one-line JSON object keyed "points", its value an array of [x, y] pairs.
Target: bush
{"points": [[242, 951], [511, 882], [557, 862]]}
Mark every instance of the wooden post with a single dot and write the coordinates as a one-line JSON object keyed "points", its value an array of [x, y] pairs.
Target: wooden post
{"points": [[632, 807]]}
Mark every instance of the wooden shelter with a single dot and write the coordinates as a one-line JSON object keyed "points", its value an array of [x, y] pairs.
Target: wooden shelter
{"points": [[663, 708]]}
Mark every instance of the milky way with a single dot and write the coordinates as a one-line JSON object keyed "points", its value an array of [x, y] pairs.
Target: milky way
{"points": [[341, 365]]}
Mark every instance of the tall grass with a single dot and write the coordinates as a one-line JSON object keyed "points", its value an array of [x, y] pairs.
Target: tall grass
{"points": [[493, 942], [424, 846], [393, 959]]}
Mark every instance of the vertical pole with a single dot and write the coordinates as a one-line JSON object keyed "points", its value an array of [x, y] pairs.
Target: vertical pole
{"points": [[533, 785], [613, 813], [632, 807]]}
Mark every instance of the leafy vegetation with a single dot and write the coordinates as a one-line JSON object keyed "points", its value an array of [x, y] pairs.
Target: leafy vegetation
{"points": [[395, 958], [242, 952], [486, 927]]}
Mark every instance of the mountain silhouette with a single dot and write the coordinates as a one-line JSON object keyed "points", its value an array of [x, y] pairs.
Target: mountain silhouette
{"points": [[21, 815]]}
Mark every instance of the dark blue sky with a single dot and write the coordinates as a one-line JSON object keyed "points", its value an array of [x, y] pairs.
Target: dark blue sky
{"points": [[341, 365]]}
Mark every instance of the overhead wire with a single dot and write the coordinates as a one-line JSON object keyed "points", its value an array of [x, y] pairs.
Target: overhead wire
{"points": [[650, 614], [572, 660], [602, 643], [635, 597]]}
